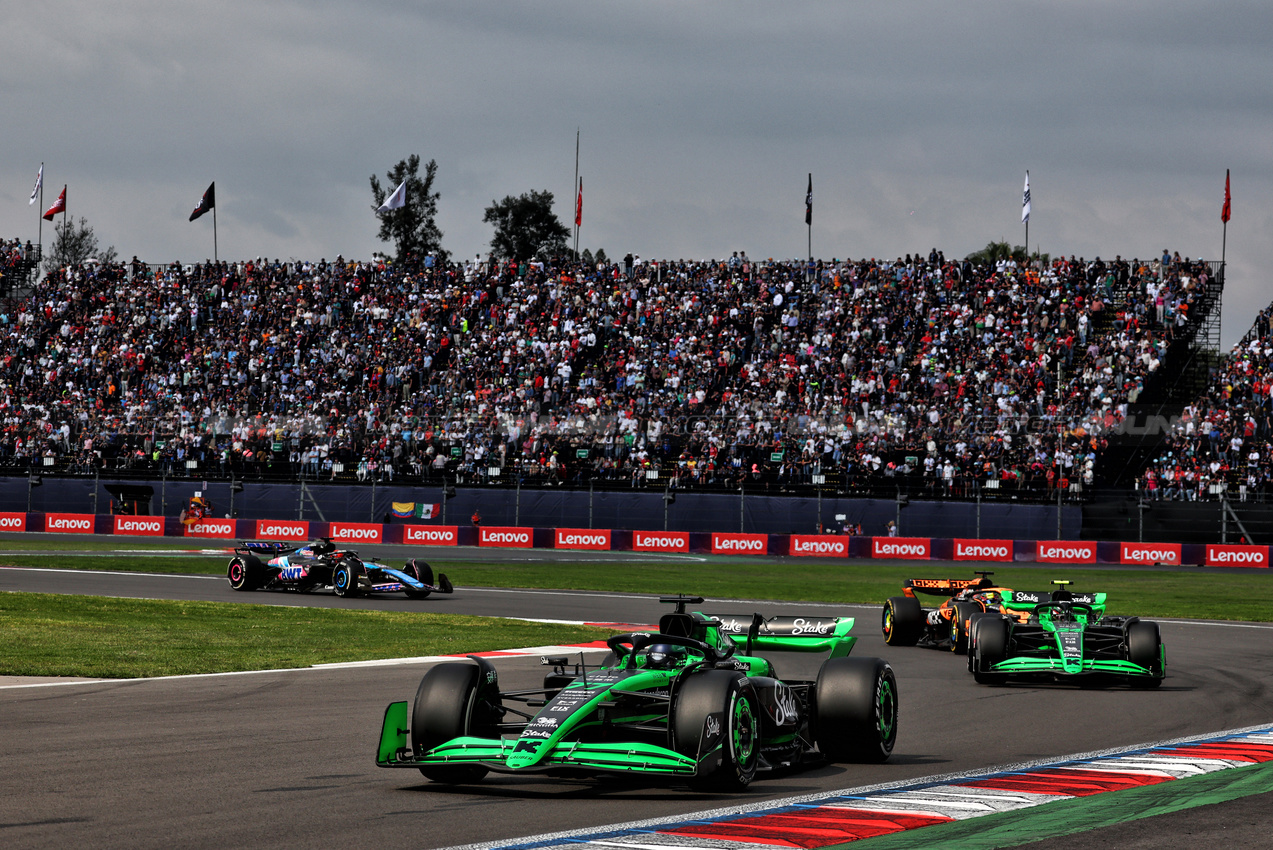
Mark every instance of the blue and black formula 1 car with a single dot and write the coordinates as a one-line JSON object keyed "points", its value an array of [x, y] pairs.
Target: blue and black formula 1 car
{"points": [[320, 565], [1061, 635], [694, 702]]}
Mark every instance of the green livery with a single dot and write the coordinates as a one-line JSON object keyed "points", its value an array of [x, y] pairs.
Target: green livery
{"points": [[1064, 635], [692, 702]]}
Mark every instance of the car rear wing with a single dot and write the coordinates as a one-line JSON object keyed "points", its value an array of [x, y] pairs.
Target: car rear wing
{"points": [[944, 586], [812, 633], [1029, 599], [260, 547]]}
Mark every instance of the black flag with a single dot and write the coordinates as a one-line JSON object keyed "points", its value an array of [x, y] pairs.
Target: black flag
{"points": [[808, 202], [208, 201]]}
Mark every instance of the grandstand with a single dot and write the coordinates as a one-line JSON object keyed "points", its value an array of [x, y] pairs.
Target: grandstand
{"points": [[922, 376]]}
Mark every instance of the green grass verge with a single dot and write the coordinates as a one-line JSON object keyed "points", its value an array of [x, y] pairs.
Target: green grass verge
{"points": [[56, 635], [1200, 594]]}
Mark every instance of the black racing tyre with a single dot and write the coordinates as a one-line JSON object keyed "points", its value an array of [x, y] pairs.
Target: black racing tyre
{"points": [[855, 709], [972, 628], [345, 580], [244, 573], [902, 621], [729, 749], [959, 623], [990, 645], [423, 573], [443, 709], [1144, 647]]}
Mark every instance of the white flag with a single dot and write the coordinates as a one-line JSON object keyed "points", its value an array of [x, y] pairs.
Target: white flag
{"points": [[395, 201], [39, 182], [1025, 199]]}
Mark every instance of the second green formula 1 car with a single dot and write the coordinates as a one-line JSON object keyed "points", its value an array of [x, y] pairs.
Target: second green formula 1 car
{"points": [[693, 703], [1061, 635]]}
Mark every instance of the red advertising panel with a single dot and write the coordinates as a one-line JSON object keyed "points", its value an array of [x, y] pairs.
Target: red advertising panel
{"points": [[1220, 555], [819, 545], [13, 522], [152, 526], [356, 532], [211, 528], [282, 529], [69, 523], [581, 538], [508, 537], [983, 550], [1065, 552], [901, 547], [739, 544], [431, 535], [660, 541], [1149, 553]]}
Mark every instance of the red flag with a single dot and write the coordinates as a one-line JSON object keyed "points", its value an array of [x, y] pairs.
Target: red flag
{"points": [[579, 205], [1225, 210], [58, 206]]}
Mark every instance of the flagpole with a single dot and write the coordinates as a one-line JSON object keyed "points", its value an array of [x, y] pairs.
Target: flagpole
{"points": [[214, 234], [809, 221], [575, 190], [40, 237]]}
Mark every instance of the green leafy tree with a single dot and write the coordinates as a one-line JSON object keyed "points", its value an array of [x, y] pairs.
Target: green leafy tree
{"points": [[411, 228], [74, 244], [526, 226]]}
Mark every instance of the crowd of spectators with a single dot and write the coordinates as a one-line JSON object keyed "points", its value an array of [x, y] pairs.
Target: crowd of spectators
{"points": [[949, 373], [1222, 444], [16, 258]]}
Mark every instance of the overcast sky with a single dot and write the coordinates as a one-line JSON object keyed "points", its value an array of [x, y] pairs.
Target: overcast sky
{"points": [[699, 121]]}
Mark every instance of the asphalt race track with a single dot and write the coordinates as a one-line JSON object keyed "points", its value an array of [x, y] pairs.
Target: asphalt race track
{"points": [[286, 758]]}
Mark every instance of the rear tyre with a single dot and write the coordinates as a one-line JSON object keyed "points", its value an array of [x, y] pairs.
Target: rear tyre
{"points": [[855, 709], [729, 749], [902, 621], [345, 581], [959, 624], [1144, 647], [421, 572], [244, 574], [443, 709], [990, 646]]}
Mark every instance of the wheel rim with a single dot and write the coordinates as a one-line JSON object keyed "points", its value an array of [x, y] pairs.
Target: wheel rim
{"points": [[236, 572], [342, 579], [742, 733], [886, 709], [888, 620]]}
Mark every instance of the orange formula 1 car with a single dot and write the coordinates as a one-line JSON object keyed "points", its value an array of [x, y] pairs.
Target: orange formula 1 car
{"points": [[906, 623]]}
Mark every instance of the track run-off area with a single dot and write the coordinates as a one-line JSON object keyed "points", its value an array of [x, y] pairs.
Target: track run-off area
{"points": [[285, 758]]}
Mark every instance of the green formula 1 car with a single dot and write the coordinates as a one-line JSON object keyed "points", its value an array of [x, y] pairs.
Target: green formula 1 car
{"points": [[1061, 635], [692, 703]]}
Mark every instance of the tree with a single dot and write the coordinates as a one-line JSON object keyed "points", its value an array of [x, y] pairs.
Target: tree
{"points": [[526, 226], [74, 245], [411, 227]]}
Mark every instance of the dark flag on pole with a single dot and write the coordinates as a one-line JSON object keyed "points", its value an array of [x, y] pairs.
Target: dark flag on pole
{"points": [[1225, 210], [207, 202], [59, 206], [808, 201], [579, 205]]}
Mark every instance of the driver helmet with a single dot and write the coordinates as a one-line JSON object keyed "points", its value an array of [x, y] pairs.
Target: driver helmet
{"points": [[664, 656]]}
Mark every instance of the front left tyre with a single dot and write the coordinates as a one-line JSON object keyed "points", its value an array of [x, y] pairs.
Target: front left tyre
{"points": [[855, 709], [443, 710], [716, 719], [421, 572], [902, 621]]}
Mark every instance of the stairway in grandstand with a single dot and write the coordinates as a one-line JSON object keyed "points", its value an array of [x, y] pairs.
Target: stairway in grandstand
{"points": [[20, 276], [1185, 374]]}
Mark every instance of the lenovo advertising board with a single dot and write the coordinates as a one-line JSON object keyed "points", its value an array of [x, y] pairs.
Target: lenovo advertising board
{"points": [[660, 541], [1220, 555], [819, 546], [211, 528], [739, 544], [356, 532], [69, 523], [1149, 553], [1065, 552], [901, 547], [506, 537], [581, 538], [982, 550], [282, 529], [431, 535], [150, 526]]}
